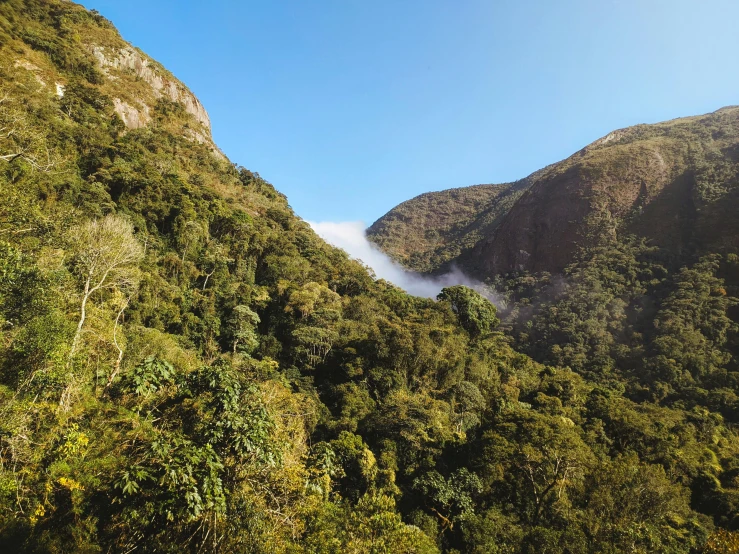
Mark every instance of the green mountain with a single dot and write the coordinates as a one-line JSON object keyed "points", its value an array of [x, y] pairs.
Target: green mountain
{"points": [[675, 184], [433, 229], [186, 367]]}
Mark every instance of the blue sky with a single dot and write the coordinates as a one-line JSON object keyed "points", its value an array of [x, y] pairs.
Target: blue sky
{"points": [[352, 106]]}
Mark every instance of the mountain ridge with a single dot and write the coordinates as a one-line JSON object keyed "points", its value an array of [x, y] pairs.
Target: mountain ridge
{"points": [[619, 177], [186, 367]]}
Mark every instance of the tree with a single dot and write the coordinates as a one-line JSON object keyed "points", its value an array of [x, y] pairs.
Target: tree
{"points": [[722, 542], [19, 140], [692, 327], [449, 498], [215, 258], [106, 254], [467, 403], [535, 459], [243, 322], [320, 311], [314, 299], [632, 506], [476, 313], [372, 526]]}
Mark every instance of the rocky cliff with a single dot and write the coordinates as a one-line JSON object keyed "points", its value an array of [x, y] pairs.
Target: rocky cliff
{"points": [[70, 39], [128, 61]]}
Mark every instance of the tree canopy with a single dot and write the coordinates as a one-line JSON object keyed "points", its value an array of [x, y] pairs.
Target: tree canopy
{"points": [[186, 367]]}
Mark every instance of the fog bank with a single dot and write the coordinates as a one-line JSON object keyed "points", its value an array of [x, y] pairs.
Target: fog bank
{"points": [[350, 237]]}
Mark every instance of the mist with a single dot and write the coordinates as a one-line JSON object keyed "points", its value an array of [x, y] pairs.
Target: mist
{"points": [[350, 237]]}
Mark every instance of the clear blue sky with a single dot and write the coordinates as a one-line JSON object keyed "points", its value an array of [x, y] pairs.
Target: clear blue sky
{"points": [[352, 106]]}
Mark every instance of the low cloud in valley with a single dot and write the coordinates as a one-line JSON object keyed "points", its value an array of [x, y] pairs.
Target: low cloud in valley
{"points": [[350, 236]]}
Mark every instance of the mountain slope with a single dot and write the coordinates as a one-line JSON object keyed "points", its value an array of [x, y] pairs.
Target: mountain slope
{"points": [[428, 231], [674, 183], [186, 367]]}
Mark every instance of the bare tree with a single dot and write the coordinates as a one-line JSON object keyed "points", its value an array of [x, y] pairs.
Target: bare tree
{"points": [[191, 234], [19, 140], [106, 254], [214, 258], [118, 320]]}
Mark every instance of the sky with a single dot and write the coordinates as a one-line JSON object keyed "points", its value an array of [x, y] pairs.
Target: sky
{"points": [[352, 106]]}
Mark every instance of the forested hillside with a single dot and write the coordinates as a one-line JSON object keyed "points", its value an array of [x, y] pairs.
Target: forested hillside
{"points": [[430, 230], [186, 367], [675, 184]]}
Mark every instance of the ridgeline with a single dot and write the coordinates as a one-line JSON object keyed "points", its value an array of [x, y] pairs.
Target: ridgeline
{"points": [[186, 367]]}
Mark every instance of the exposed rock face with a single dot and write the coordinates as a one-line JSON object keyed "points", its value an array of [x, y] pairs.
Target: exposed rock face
{"points": [[132, 117], [127, 58], [133, 81]]}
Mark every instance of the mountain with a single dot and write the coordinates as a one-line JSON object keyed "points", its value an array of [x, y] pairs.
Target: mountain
{"points": [[675, 184], [185, 366], [430, 230]]}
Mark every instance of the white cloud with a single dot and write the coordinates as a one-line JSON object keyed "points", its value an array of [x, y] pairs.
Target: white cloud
{"points": [[350, 236]]}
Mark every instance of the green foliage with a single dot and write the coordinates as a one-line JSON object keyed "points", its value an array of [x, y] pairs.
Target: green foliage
{"points": [[186, 367], [692, 327], [722, 542], [429, 232], [476, 314], [654, 520], [244, 322], [150, 376], [449, 498]]}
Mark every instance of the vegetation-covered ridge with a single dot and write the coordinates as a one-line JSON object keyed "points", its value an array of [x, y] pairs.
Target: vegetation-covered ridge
{"points": [[430, 230], [186, 367], [673, 183]]}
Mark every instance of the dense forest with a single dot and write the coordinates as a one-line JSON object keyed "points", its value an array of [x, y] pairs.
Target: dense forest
{"points": [[186, 367], [428, 233]]}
